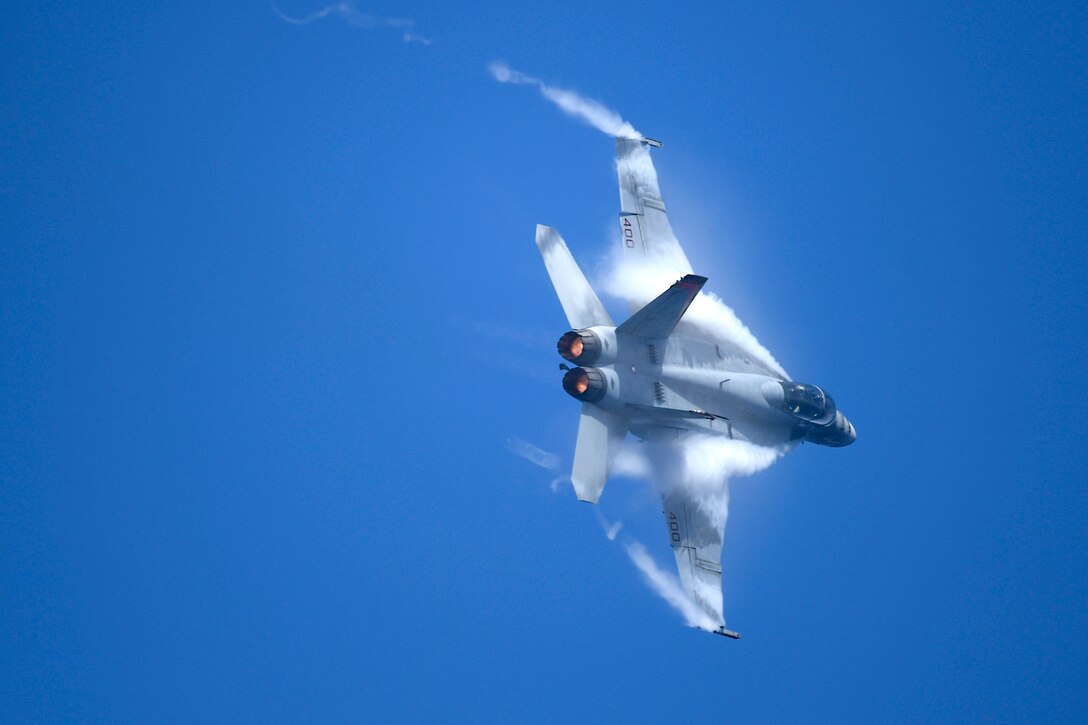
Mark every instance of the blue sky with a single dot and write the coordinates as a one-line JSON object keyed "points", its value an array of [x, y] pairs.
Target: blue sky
{"points": [[271, 310]]}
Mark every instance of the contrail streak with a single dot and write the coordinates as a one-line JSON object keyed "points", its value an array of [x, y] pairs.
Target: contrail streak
{"points": [[535, 455], [347, 12], [668, 587], [638, 281], [697, 466], [611, 530], [592, 112]]}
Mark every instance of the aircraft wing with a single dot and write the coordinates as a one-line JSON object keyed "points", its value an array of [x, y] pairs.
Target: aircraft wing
{"points": [[580, 303], [644, 224], [696, 538]]}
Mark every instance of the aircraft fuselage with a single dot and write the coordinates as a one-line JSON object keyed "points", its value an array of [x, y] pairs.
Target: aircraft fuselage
{"points": [[686, 382]]}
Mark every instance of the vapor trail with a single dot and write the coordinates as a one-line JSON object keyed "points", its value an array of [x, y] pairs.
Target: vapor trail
{"points": [[570, 102], [697, 468], [611, 530], [668, 587], [663, 583], [638, 281], [535, 455], [347, 12], [539, 457]]}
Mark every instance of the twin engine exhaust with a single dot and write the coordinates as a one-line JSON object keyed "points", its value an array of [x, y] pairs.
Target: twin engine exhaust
{"points": [[588, 385], [584, 348], [581, 347]]}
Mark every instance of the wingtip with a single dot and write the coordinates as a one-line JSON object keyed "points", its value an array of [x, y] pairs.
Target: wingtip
{"points": [[633, 142], [585, 494], [545, 236], [727, 633]]}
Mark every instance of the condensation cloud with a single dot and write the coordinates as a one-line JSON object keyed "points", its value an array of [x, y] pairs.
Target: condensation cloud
{"points": [[699, 467], [572, 103], [534, 454], [350, 14]]}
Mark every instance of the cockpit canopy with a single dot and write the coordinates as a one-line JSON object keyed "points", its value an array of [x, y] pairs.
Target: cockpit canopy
{"points": [[808, 402]]}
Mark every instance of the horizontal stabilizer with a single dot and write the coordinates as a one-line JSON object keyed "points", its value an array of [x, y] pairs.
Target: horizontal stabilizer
{"points": [[659, 318], [600, 435], [580, 303]]}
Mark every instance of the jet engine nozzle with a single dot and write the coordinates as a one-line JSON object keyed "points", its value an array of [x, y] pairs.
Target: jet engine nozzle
{"points": [[586, 346], [586, 384]]}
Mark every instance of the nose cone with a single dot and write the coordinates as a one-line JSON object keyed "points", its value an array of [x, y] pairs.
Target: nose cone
{"points": [[840, 433], [849, 434], [836, 434]]}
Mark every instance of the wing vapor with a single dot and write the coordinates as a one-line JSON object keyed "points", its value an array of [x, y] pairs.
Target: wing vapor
{"points": [[652, 254]]}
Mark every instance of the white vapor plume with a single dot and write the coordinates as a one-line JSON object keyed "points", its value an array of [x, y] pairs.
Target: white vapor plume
{"points": [[611, 530], [535, 455], [665, 584], [570, 102], [630, 461], [668, 587], [638, 279], [697, 469], [347, 12], [539, 457], [701, 466]]}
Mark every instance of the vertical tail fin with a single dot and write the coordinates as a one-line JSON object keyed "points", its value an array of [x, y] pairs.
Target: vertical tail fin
{"points": [[580, 303], [659, 318], [600, 433]]}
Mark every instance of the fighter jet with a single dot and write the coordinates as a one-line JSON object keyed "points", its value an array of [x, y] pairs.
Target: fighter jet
{"points": [[662, 376]]}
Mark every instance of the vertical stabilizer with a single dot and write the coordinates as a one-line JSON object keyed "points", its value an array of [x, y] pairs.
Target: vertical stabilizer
{"points": [[580, 303]]}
